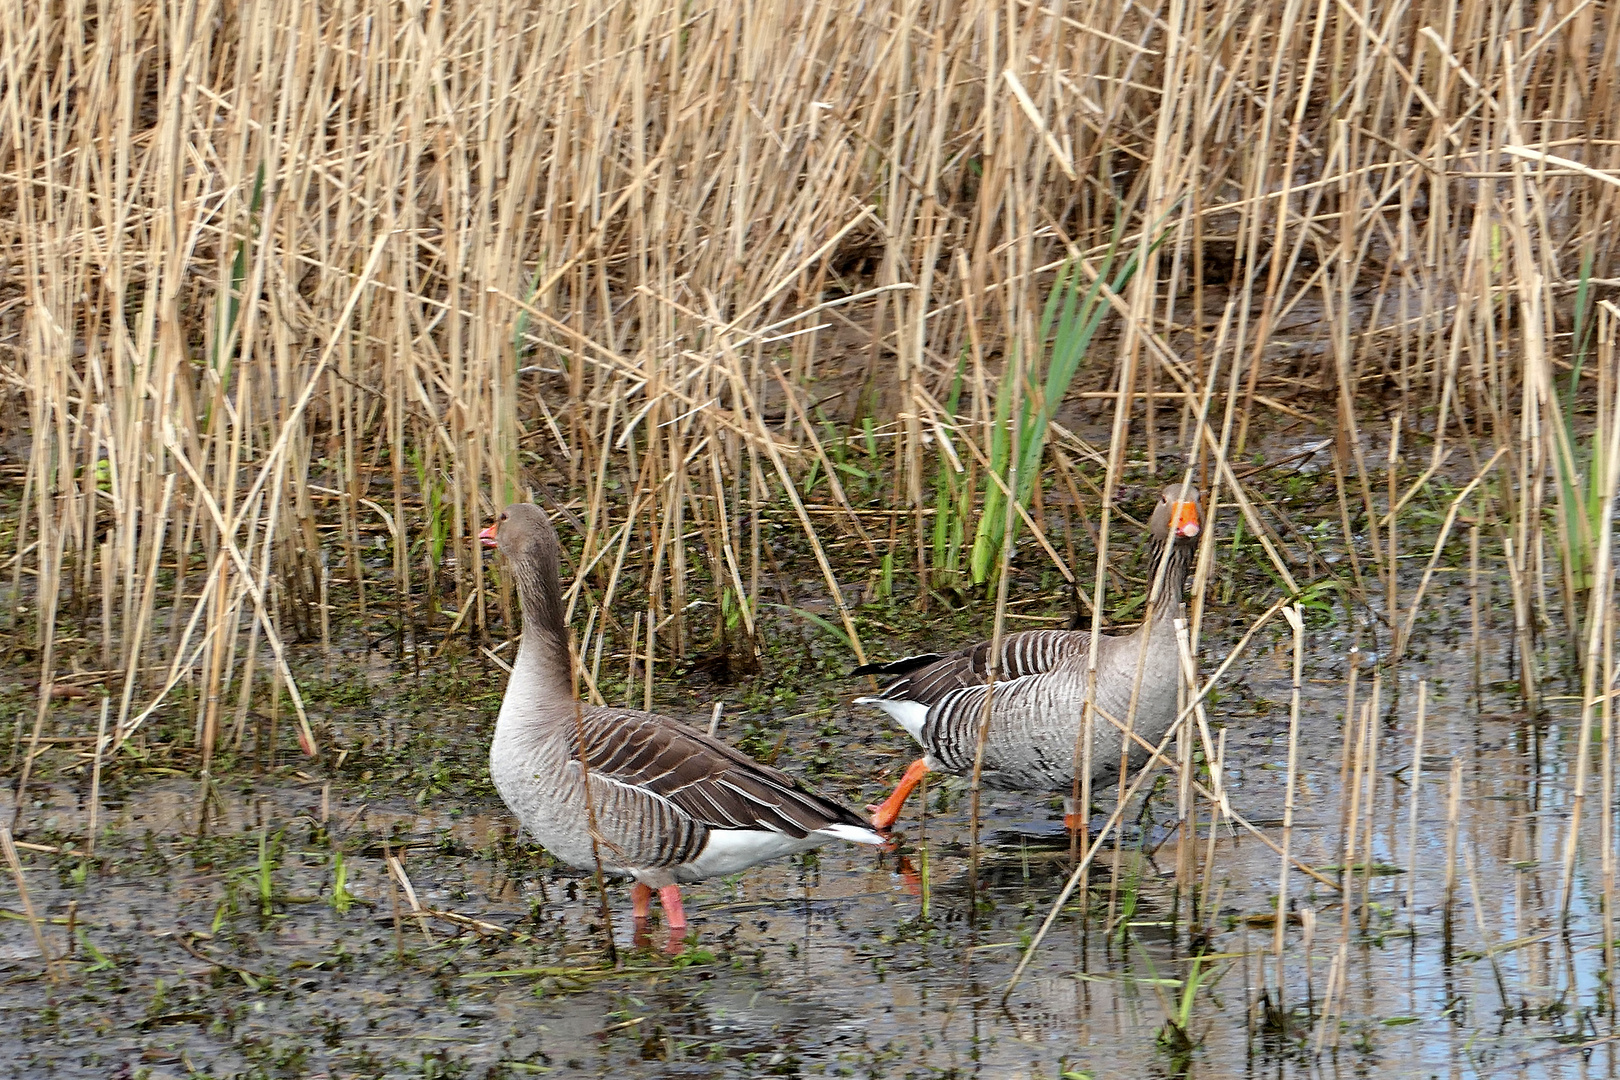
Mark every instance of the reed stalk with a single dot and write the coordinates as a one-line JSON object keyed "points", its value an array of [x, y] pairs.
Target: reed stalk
{"points": [[299, 295], [548, 260]]}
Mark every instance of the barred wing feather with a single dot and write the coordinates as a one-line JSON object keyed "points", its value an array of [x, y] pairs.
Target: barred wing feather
{"points": [[703, 778], [1023, 655]]}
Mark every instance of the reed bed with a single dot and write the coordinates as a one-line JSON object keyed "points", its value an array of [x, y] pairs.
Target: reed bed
{"points": [[288, 285]]}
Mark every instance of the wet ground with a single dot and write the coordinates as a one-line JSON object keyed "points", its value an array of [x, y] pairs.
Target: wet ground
{"points": [[236, 946]]}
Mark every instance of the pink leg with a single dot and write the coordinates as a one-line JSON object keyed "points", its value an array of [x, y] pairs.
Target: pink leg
{"points": [[883, 817], [670, 897], [640, 901]]}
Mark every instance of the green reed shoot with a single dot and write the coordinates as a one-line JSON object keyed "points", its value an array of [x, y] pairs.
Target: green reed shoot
{"points": [[341, 898], [264, 875], [1069, 322], [953, 497], [230, 300], [1580, 494], [435, 503]]}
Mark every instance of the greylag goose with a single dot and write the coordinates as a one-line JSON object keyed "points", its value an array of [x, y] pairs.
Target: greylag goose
{"points": [[670, 804], [1039, 697]]}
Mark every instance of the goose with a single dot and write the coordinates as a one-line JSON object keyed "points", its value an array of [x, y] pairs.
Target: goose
{"points": [[670, 804], [1038, 699]]}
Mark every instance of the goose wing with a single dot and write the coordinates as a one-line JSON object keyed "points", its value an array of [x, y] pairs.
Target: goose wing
{"points": [[929, 679], [705, 780]]}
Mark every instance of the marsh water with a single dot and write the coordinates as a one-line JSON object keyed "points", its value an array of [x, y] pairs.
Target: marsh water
{"points": [[212, 932]]}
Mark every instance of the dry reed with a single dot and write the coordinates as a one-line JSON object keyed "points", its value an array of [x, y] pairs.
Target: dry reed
{"points": [[360, 275], [289, 284]]}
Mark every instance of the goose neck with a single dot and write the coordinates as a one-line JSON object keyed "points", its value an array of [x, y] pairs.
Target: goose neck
{"points": [[543, 669], [1166, 602]]}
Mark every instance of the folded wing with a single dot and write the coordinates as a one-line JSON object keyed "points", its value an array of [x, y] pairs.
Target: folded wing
{"points": [[713, 784]]}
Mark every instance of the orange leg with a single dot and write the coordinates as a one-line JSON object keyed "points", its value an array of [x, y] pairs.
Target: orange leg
{"points": [[1072, 820], [883, 816], [908, 874], [640, 901]]}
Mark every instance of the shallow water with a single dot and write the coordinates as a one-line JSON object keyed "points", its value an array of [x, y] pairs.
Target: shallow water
{"points": [[828, 966]]}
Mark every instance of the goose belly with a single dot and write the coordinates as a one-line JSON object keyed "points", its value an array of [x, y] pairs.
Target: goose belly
{"points": [[549, 808], [731, 850], [1155, 711], [1036, 754], [1033, 741], [1030, 744]]}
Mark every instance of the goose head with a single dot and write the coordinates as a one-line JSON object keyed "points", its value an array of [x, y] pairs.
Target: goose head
{"points": [[525, 536], [1176, 517]]}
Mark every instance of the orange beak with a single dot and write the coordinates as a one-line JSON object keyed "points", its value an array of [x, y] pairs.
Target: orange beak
{"points": [[1184, 519], [487, 537]]}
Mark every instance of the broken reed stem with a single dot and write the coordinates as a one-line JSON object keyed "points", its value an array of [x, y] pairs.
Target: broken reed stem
{"points": [[1606, 801], [1374, 730], [635, 663], [1474, 612], [1307, 948], [1347, 881], [1296, 621], [1414, 800], [1485, 937], [95, 776], [1347, 747], [1327, 1027], [1529, 690], [10, 851], [925, 869], [1453, 821], [647, 660], [1610, 681], [393, 896], [1186, 827], [1392, 604], [396, 867], [1214, 756], [1216, 814]]}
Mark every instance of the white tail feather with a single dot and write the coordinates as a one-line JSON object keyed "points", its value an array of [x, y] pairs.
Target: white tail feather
{"points": [[853, 833], [910, 715]]}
